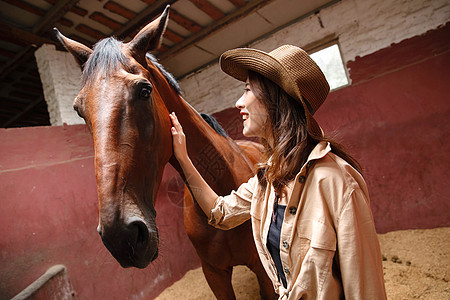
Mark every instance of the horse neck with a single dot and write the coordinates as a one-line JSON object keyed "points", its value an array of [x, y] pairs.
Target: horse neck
{"points": [[217, 158]]}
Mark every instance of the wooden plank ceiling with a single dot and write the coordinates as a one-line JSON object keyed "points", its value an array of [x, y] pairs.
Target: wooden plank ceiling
{"points": [[191, 41]]}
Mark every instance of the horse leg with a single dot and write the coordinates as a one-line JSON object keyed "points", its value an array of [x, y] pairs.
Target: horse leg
{"points": [[265, 284], [219, 280]]}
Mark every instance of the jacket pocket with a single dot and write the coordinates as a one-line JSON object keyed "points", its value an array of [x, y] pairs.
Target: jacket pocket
{"points": [[316, 268], [323, 236]]}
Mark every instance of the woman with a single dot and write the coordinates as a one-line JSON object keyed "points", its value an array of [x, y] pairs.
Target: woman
{"points": [[308, 202]]}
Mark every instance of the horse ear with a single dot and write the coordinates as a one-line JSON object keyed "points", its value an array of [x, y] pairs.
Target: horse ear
{"points": [[78, 50], [150, 37]]}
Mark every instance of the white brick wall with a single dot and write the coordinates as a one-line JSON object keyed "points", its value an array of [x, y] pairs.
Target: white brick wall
{"points": [[363, 27], [61, 82]]}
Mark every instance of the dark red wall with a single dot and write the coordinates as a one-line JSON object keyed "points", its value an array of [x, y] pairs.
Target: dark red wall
{"points": [[49, 216], [394, 118]]}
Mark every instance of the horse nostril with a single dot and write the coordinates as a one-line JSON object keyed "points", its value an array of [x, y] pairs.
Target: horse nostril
{"points": [[140, 232]]}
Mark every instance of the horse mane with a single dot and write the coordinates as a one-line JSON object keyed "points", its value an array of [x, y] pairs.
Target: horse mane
{"points": [[169, 77], [107, 57], [214, 124]]}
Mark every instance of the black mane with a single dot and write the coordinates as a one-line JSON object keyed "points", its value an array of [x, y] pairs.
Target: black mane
{"points": [[214, 124], [106, 57], [169, 77]]}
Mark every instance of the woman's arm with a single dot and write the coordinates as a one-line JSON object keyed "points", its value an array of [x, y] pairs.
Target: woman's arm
{"points": [[359, 251], [201, 191]]}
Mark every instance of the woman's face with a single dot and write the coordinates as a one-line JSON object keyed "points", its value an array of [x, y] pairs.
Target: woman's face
{"points": [[253, 112]]}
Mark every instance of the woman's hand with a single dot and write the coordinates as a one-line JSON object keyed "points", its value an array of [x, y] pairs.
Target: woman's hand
{"points": [[179, 139], [202, 192]]}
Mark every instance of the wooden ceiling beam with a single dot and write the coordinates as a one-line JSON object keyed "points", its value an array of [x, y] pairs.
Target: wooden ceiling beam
{"points": [[53, 15], [163, 48], [22, 36], [119, 10], [28, 88], [172, 36], [237, 3], [82, 40], [143, 18], [26, 6], [209, 9], [94, 33], [12, 105], [24, 112], [6, 37], [22, 94], [79, 11], [17, 61], [75, 9], [184, 22], [7, 53], [105, 20], [65, 22], [4, 116], [227, 20]]}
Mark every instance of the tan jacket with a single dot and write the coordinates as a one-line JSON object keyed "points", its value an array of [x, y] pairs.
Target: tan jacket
{"points": [[328, 244]]}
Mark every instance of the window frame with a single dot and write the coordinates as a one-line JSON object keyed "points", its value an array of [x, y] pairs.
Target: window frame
{"points": [[326, 43]]}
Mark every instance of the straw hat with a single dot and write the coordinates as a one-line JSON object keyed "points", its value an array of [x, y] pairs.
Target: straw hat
{"points": [[289, 67]]}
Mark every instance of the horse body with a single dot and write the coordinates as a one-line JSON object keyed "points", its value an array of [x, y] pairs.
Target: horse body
{"points": [[224, 165], [125, 100]]}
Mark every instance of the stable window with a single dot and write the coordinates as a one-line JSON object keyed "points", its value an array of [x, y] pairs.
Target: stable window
{"points": [[330, 62]]}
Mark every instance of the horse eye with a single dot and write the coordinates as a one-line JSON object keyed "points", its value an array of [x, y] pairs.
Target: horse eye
{"points": [[145, 93]]}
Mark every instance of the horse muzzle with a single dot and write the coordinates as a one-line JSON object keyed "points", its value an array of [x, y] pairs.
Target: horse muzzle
{"points": [[132, 243]]}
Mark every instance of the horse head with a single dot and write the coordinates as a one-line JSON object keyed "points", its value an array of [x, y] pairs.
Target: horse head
{"points": [[124, 110]]}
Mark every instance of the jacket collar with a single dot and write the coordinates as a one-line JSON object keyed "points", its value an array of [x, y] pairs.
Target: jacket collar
{"points": [[319, 151]]}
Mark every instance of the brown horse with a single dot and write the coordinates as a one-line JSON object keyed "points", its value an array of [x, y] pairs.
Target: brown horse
{"points": [[125, 100]]}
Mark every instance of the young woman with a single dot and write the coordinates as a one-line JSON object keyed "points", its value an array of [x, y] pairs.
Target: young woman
{"points": [[308, 203]]}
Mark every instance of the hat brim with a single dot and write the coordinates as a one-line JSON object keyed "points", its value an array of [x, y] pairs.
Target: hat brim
{"points": [[238, 62]]}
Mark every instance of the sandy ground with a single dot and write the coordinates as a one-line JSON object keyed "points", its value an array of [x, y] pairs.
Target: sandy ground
{"points": [[416, 266]]}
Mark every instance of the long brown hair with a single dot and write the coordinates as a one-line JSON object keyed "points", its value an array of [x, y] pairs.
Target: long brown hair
{"points": [[286, 128]]}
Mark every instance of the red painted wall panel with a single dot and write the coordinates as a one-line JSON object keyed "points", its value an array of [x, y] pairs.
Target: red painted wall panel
{"points": [[397, 125]]}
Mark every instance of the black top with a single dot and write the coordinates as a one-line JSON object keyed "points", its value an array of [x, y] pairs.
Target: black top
{"points": [[273, 240]]}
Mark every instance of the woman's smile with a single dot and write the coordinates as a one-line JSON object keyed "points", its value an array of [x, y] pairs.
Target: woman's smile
{"points": [[253, 112]]}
